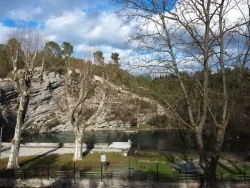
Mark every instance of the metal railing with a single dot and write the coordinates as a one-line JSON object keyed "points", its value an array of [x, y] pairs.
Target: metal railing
{"points": [[152, 172], [126, 176]]}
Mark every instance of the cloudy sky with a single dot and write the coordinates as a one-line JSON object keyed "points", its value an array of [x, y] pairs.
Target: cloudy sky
{"points": [[80, 22]]}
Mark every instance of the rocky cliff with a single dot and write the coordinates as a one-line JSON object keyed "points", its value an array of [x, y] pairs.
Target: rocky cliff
{"points": [[47, 111]]}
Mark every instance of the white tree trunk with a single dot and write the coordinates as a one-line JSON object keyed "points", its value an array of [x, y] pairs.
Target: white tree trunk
{"points": [[78, 146], [14, 152], [15, 143]]}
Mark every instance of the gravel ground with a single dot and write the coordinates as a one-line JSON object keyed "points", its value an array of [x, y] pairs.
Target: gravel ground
{"points": [[26, 151]]}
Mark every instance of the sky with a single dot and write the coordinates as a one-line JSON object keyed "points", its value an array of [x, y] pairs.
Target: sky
{"points": [[82, 23]]}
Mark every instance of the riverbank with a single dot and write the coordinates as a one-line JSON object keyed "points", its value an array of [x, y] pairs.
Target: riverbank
{"points": [[28, 149]]}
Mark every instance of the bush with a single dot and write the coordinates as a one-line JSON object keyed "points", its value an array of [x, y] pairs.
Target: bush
{"points": [[159, 121]]}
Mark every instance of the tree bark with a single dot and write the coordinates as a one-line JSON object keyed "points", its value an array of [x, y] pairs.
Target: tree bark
{"points": [[78, 146], [15, 143], [210, 174]]}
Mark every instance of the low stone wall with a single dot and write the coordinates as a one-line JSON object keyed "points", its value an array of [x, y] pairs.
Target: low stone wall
{"points": [[117, 183], [58, 183], [6, 144]]}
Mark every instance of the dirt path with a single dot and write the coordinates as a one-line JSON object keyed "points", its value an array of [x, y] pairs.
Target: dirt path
{"points": [[46, 150]]}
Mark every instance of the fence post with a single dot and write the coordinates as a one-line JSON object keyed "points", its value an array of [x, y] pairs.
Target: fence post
{"points": [[245, 178], [101, 171], [186, 172], [74, 171], [24, 171], [129, 171], [48, 171], [157, 172], [12, 174], [222, 178], [24, 174]]}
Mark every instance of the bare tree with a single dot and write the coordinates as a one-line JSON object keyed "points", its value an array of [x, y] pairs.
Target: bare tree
{"points": [[79, 83], [24, 45], [197, 35]]}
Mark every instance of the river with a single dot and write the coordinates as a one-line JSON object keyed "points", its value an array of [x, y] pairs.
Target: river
{"points": [[157, 140]]}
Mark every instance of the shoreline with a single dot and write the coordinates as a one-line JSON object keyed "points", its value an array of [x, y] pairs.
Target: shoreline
{"points": [[120, 130]]}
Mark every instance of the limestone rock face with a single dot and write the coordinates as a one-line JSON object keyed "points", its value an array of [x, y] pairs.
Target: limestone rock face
{"points": [[47, 110]]}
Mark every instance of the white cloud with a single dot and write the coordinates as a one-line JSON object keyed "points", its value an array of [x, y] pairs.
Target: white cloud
{"points": [[4, 34], [79, 28], [24, 15], [81, 23]]}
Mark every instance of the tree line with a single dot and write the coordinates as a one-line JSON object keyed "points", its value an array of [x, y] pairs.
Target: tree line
{"points": [[55, 56]]}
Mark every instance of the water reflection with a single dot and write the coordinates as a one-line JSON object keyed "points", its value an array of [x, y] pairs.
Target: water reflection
{"points": [[88, 137], [158, 140]]}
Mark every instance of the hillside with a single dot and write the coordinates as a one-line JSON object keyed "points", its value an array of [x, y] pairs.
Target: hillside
{"points": [[47, 112]]}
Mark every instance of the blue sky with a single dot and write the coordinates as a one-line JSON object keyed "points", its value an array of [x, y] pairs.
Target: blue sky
{"points": [[83, 23], [80, 22]]}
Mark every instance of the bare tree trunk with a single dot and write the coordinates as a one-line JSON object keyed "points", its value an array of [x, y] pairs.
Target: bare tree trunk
{"points": [[210, 174], [15, 143], [208, 166], [78, 145]]}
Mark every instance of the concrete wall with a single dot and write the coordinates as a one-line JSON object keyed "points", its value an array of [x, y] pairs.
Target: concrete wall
{"points": [[59, 183]]}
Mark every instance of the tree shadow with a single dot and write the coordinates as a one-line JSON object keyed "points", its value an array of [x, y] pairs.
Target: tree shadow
{"points": [[88, 150], [183, 155], [35, 158], [170, 157], [237, 170]]}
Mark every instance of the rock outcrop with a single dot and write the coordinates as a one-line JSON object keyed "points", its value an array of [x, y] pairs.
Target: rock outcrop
{"points": [[47, 111]]}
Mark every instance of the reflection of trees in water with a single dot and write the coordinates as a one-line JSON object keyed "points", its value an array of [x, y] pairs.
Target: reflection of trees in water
{"points": [[158, 140], [236, 143], [88, 137], [8, 122], [184, 139]]}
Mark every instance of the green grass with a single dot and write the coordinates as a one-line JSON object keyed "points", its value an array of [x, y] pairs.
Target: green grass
{"points": [[140, 128], [143, 161]]}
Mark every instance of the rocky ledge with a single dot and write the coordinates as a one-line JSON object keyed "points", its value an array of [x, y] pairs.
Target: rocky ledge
{"points": [[47, 113]]}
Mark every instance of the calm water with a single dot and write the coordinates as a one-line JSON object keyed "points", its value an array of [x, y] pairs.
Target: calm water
{"points": [[88, 137], [158, 140], [145, 139]]}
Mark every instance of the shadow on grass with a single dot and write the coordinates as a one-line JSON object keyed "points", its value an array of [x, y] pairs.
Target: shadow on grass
{"points": [[236, 170], [35, 159], [170, 157]]}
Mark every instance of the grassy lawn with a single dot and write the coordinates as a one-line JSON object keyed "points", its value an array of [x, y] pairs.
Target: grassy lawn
{"points": [[143, 161]]}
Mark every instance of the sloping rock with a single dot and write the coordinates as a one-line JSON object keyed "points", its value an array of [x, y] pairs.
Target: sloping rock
{"points": [[47, 110]]}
